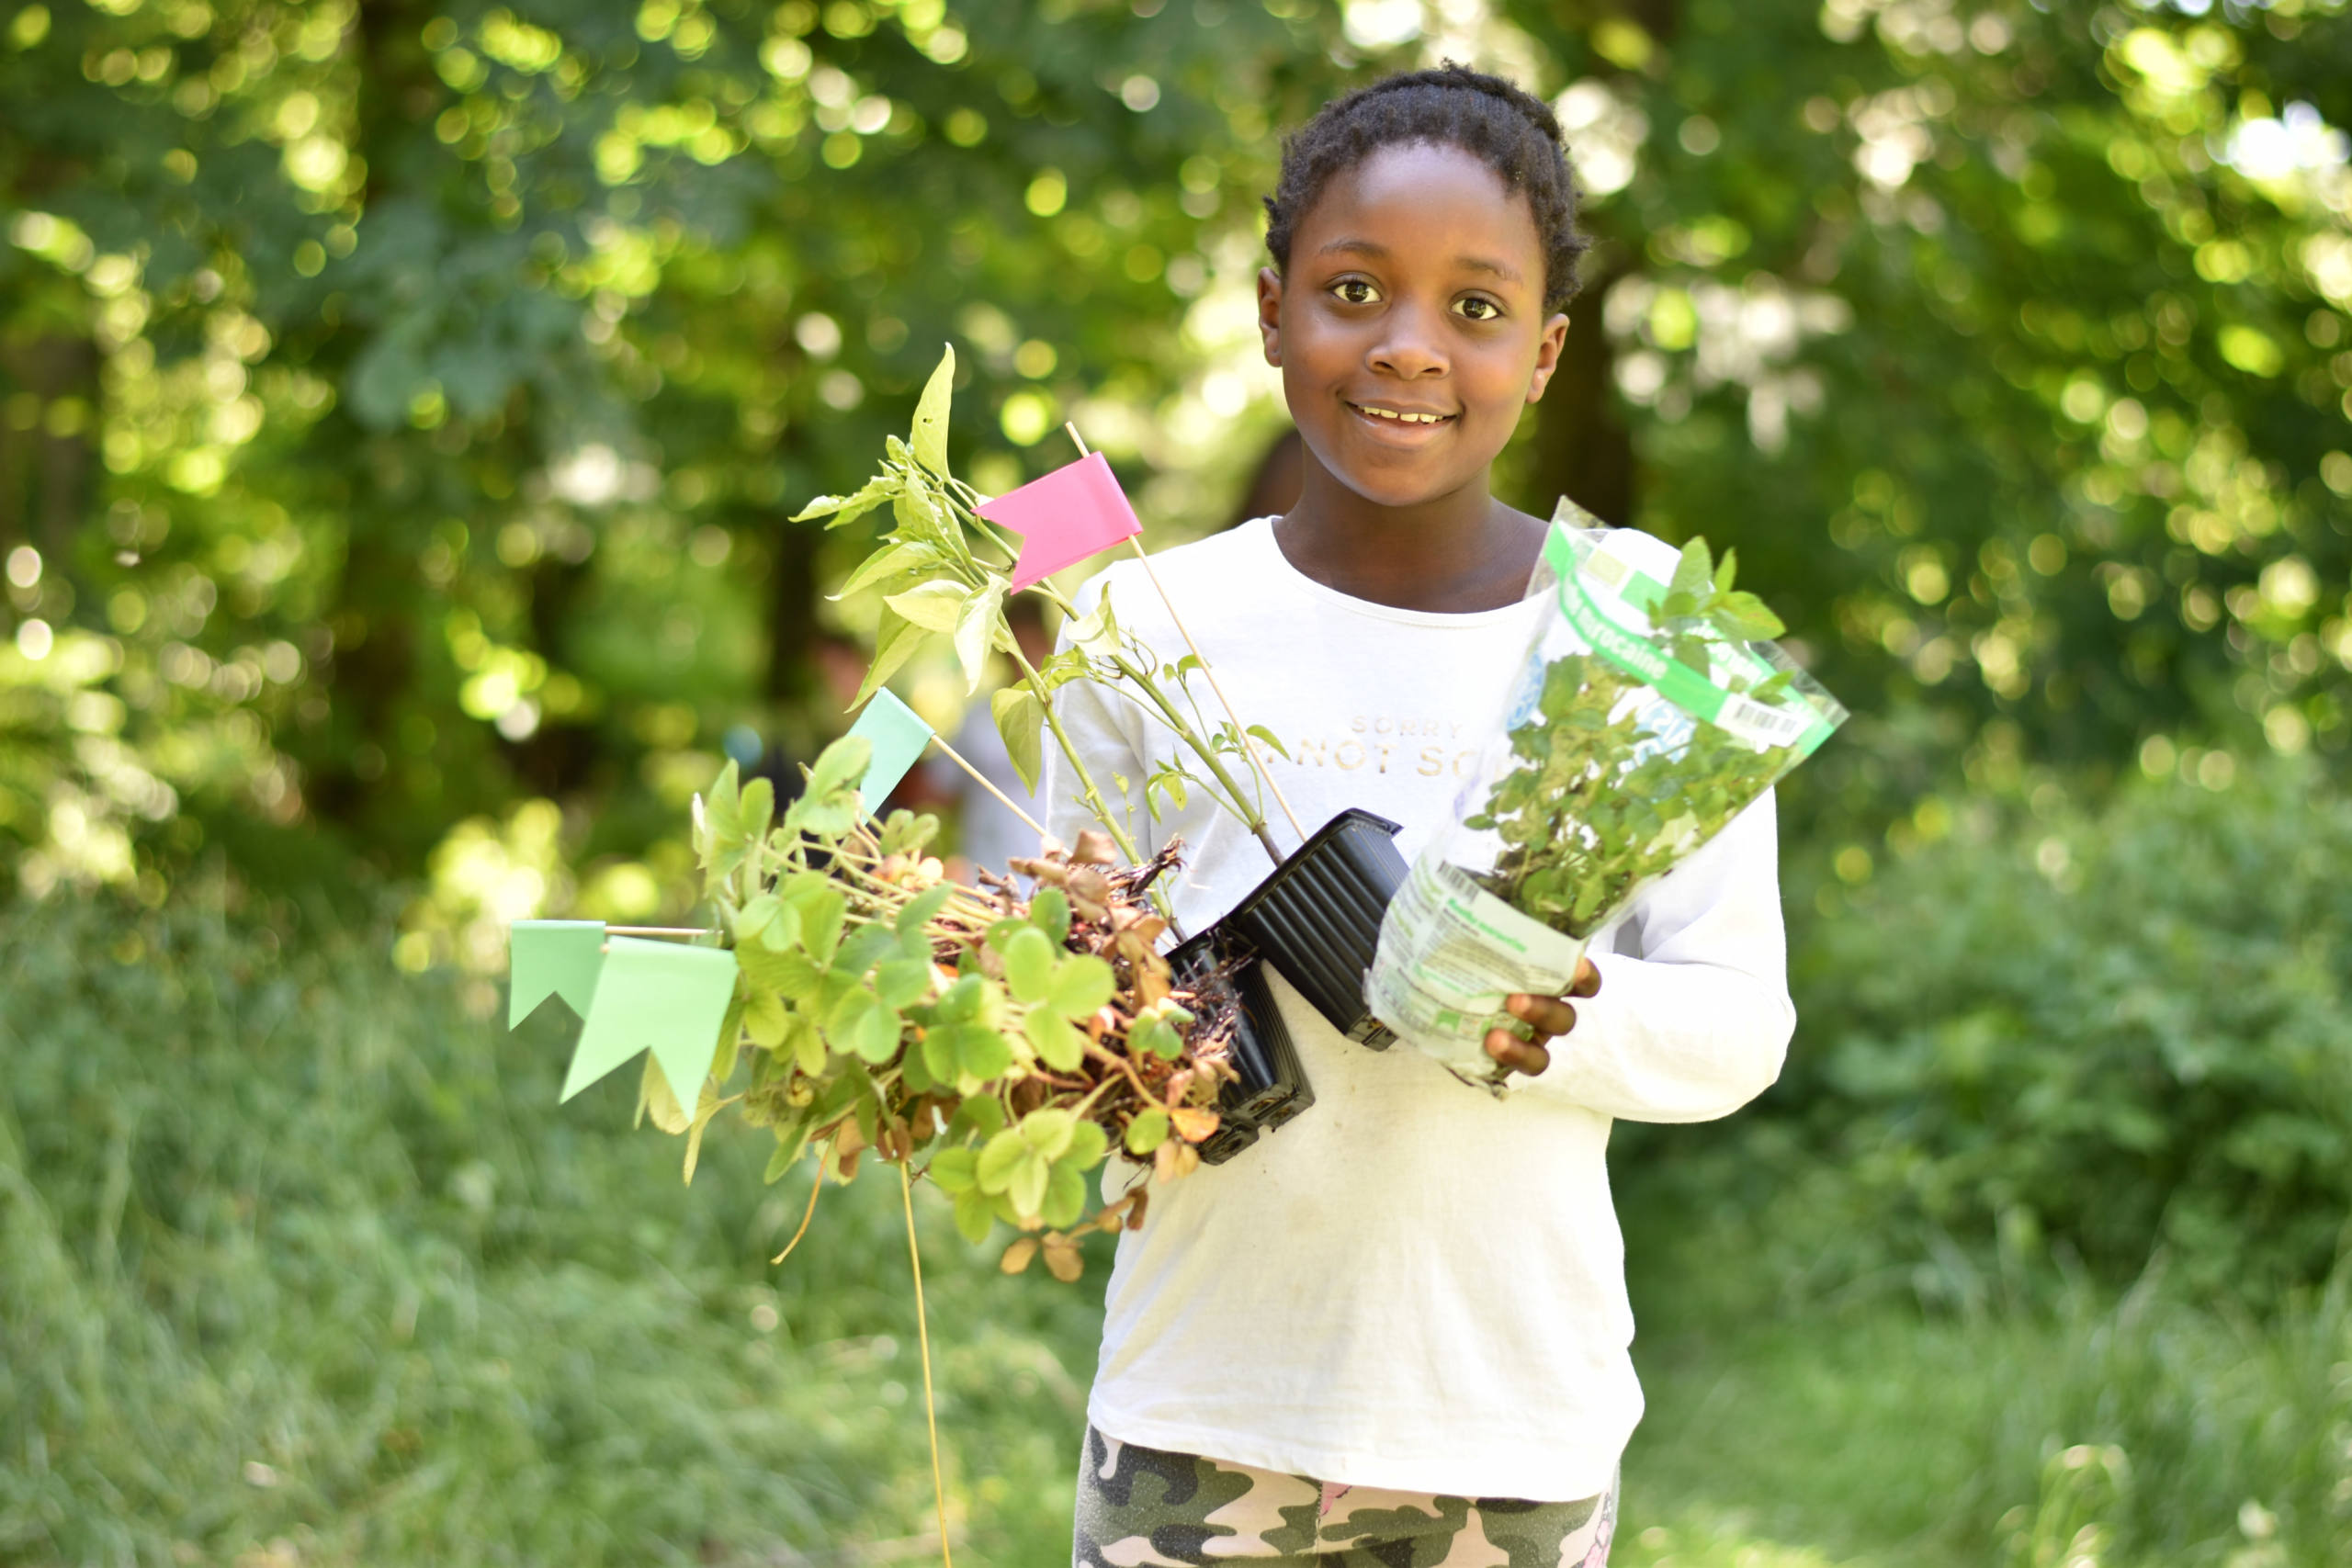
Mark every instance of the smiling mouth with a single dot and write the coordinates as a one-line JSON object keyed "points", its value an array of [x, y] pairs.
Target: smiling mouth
{"points": [[1400, 416]]}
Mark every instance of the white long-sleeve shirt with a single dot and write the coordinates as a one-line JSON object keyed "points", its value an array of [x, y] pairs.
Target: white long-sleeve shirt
{"points": [[1412, 1285]]}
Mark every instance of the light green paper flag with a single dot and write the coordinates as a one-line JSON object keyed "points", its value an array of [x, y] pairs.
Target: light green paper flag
{"points": [[899, 737], [665, 995], [552, 958]]}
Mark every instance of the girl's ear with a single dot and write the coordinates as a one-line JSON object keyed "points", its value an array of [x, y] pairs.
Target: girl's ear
{"points": [[1547, 357], [1270, 315]]}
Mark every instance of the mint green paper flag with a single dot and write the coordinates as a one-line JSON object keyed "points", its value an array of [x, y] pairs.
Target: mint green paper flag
{"points": [[897, 736], [552, 958], [665, 995]]}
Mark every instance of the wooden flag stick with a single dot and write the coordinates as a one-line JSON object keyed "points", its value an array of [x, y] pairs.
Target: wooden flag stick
{"points": [[922, 1337], [1238, 729], [982, 780]]}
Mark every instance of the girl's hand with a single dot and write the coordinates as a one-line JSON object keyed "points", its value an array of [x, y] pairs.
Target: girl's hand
{"points": [[1549, 1017]]}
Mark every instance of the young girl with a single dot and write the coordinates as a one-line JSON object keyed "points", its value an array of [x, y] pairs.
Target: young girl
{"points": [[1395, 1331]]}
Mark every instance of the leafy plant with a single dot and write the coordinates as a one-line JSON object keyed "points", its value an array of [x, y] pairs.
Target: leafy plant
{"points": [[2104, 1032], [1613, 790], [933, 581], [880, 1006]]}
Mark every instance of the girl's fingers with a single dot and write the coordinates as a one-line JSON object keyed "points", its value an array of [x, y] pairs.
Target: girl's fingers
{"points": [[1519, 1055], [1588, 980], [1545, 1015]]}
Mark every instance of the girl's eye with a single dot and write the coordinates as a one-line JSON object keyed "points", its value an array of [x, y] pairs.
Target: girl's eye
{"points": [[1478, 309], [1355, 291]]}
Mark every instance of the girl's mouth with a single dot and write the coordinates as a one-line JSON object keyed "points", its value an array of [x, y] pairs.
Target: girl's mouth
{"points": [[1406, 418]]}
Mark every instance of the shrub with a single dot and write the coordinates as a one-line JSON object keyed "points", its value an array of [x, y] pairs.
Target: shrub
{"points": [[2113, 1031]]}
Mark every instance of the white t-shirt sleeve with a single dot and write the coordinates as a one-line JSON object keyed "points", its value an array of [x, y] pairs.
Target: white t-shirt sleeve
{"points": [[1696, 1023]]}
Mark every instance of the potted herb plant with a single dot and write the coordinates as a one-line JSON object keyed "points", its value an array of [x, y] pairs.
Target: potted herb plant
{"points": [[1651, 709]]}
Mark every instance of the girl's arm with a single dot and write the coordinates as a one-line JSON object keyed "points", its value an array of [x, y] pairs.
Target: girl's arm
{"points": [[1698, 1025]]}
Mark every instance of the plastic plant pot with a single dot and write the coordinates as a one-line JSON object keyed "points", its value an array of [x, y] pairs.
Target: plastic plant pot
{"points": [[1318, 918], [1272, 1088]]}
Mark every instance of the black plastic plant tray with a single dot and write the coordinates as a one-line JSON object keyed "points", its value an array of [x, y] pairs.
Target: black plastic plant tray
{"points": [[1316, 918], [1272, 1087]]}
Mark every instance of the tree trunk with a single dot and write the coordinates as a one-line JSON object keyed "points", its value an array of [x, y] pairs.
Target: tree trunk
{"points": [[1582, 449]]}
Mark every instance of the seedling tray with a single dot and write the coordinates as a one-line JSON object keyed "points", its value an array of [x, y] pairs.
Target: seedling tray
{"points": [[1272, 1087], [1316, 918]]}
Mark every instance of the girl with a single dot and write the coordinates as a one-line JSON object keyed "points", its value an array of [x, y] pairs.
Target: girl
{"points": [[1395, 1332]]}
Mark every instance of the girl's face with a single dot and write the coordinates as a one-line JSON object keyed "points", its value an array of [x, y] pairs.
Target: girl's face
{"points": [[1411, 329]]}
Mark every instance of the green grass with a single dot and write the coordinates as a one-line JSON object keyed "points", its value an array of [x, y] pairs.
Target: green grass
{"points": [[294, 1249], [299, 1261], [2136, 1426]]}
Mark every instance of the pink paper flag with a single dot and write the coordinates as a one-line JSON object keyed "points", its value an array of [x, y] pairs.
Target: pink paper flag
{"points": [[1065, 517]]}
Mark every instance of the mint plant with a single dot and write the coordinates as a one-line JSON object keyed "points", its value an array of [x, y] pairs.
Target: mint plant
{"points": [[1611, 790]]}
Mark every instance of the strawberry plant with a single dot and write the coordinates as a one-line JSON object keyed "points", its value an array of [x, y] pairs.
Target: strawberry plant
{"points": [[1009, 1042]]}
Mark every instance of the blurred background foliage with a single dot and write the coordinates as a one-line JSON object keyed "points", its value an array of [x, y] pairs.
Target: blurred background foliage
{"points": [[400, 404]]}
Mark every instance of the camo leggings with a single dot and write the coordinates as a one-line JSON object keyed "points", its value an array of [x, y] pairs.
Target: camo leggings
{"points": [[1139, 1507]]}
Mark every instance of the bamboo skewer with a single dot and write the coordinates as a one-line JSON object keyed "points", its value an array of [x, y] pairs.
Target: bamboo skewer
{"points": [[981, 779], [923, 1336]]}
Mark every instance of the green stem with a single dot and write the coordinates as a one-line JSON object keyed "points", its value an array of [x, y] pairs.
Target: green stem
{"points": [[1094, 802], [1253, 820]]}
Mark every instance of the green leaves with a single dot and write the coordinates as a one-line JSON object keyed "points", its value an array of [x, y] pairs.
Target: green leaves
{"points": [[1058, 1044], [838, 511], [1601, 803], [1081, 983], [980, 626], [1039, 1165], [1694, 574], [890, 562], [1156, 1035], [1744, 617], [839, 765], [1049, 912], [1148, 1131], [895, 641], [1021, 719], [933, 605], [1029, 965], [862, 1024], [929, 437]]}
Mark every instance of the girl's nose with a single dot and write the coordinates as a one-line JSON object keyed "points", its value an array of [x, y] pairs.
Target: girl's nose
{"points": [[1410, 348]]}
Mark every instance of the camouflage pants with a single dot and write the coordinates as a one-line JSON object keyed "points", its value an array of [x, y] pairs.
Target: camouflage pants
{"points": [[1139, 1507]]}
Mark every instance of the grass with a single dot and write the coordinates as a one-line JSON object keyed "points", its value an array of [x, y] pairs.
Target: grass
{"points": [[302, 1263], [2065, 1422], [300, 1256]]}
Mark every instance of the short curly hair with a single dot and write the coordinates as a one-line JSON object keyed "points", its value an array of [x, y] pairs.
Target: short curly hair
{"points": [[1511, 130]]}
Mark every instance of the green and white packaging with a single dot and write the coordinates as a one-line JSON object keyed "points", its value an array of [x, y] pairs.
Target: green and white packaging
{"points": [[1651, 708]]}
